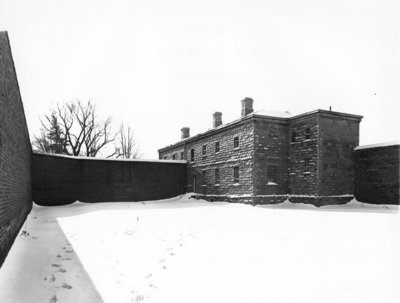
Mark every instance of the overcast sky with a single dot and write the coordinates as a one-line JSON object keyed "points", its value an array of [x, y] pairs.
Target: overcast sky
{"points": [[161, 65]]}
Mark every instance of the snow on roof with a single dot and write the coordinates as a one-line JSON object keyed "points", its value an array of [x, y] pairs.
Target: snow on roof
{"points": [[110, 159], [378, 145], [273, 113]]}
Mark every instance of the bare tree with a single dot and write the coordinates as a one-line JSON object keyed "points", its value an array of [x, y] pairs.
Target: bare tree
{"points": [[126, 146], [73, 128]]}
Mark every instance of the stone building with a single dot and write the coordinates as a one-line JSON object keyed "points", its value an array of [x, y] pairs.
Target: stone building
{"points": [[267, 158]]}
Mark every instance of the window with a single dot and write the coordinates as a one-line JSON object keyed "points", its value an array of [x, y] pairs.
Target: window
{"points": [[173, 157], [307, 134], [293, 136], [181, 155], [271, 173], [192, 155], [236, 142], [217, 147], [292, 167], [217, 176], [306, 165], [203, 177], [204, 150], [236, 174]]}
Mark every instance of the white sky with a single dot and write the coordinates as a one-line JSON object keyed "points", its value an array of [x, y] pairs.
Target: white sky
{"points": [[161, 65]]}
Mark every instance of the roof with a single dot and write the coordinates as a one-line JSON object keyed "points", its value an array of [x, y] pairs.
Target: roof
{"points": [[264, 114]]}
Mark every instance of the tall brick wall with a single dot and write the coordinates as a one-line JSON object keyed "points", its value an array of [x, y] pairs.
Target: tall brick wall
{"points": [[339, 135], [15, 153], [59, 180], [377, 175]]}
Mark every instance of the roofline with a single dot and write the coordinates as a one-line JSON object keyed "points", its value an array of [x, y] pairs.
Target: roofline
{"points": [[265, 117]]}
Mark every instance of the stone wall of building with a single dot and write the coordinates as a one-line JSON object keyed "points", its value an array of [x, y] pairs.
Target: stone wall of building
{"points": [[270, 170], [377, 175], [15, 153], [303, 155], [201, 177], [339, 135], [59, 180]]}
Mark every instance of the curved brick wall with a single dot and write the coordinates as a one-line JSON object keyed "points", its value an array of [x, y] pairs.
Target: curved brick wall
{"points": [[59, 180], [377, 175], [15, 153]]}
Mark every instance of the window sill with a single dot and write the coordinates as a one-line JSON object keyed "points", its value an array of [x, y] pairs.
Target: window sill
{"points": [[236, 148], [307, 173], [217, 185], [236, 184], [272, 184], [292, 174]]}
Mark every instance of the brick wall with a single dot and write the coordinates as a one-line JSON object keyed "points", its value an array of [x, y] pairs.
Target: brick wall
{"points": [[377, 175], [61, 180], [15, 153]]}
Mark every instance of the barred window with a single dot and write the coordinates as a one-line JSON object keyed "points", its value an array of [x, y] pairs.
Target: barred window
{"points": [[204, 177], [204, 150], [217, 147], [306, 165], [271, 173], [307, 133], [236, 142], [293, 136], [192, 155], [236, 174], [217, 177]]}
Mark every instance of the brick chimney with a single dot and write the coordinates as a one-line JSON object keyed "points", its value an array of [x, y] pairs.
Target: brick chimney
{"points": [[217, 119], [185, 132], [247, 106]]}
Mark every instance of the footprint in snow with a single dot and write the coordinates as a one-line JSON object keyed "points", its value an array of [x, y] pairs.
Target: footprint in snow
{"points": [[58, 256], [62, 270], [66, 286], [152, 285], [139, 298], [148, 276], [53, 299], [55, 265], [50, 278]]}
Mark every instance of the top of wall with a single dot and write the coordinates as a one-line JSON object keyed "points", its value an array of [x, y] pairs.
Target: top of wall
{"points": [[269, 116], [108, 159], [378, 145]]}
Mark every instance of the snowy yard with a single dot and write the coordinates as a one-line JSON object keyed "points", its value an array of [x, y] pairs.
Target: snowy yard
{"points": [[185, 250]]}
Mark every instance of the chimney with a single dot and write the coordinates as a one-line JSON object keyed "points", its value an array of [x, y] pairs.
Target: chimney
{"points": [[247, 106], [185, 132], [217, 119]]}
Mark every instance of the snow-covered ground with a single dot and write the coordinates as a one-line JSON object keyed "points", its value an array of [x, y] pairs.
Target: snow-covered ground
{"points": [[185, 250]]}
